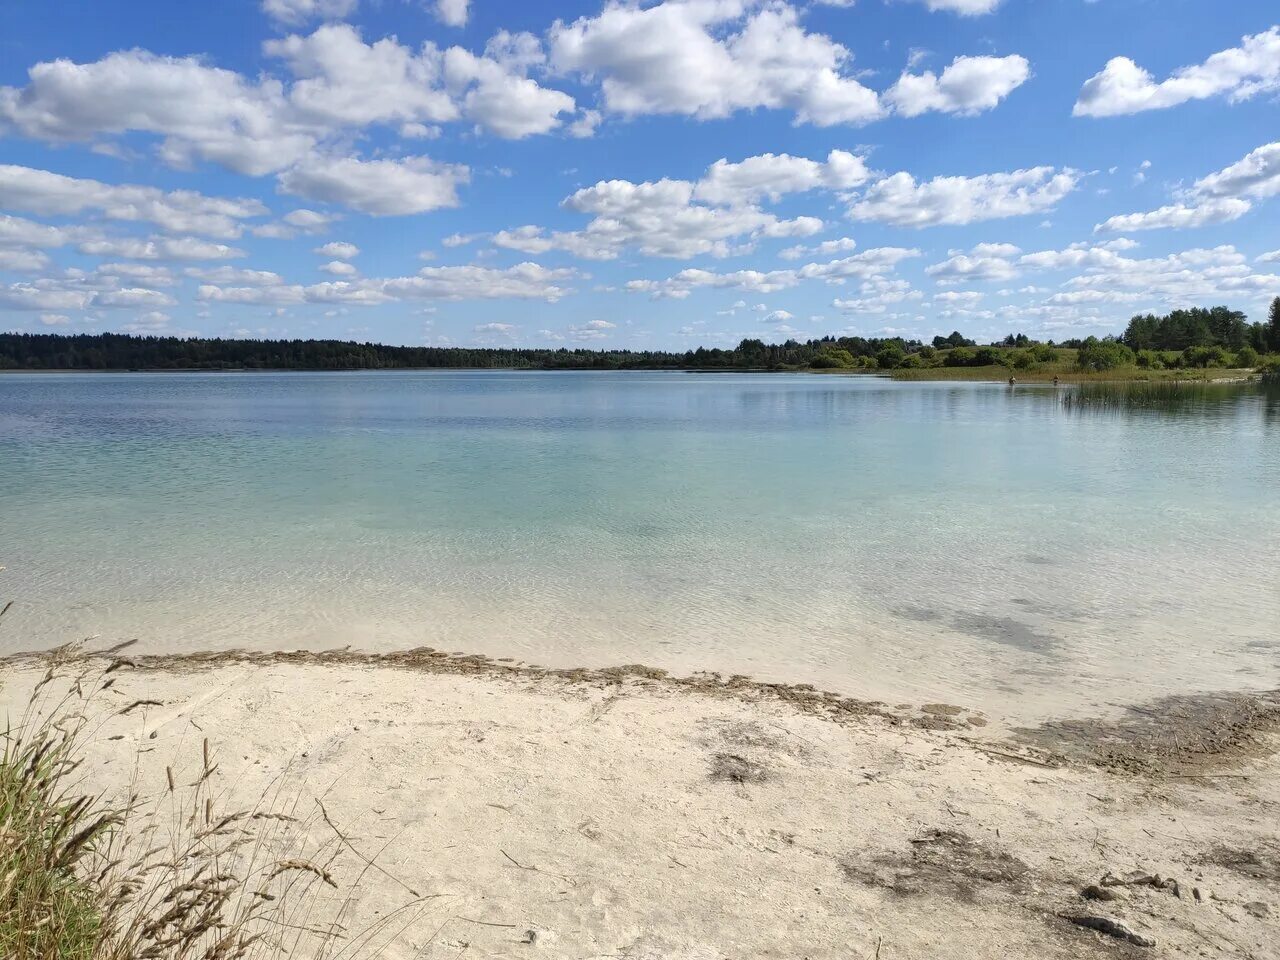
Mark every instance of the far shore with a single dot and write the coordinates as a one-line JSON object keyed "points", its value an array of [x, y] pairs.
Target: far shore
{"points": [[994, 374], [516, 811]]}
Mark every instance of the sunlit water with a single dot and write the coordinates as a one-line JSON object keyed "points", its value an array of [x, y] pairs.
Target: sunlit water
{"points": [[913, 542]]}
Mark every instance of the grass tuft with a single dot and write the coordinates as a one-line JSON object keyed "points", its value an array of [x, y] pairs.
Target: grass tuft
{"points": [[175, 877]]}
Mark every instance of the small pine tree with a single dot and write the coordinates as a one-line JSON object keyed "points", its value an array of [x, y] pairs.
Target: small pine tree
{"points": [[1273, 326]]}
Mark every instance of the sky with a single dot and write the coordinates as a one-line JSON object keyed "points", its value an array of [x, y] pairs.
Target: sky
{"points": [[629, 174]]}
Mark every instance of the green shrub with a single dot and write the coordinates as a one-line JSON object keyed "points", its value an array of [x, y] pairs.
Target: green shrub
{"points": [[1247, 358], [1204, 357], [1150, 360], [1100, 355], [1021, 359], [833, 360], [960, 357], [988, 357], [890, 357], [1044, 353]]}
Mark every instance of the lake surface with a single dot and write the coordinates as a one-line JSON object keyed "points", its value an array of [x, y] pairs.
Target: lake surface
{"points": [[908, 541]]}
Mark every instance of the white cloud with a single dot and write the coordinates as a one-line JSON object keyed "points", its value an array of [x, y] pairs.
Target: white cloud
{"points": [[300, 11], [825, 249], [340, 268], [452, 13], [377, 187], [877, 295], [504, 102], [773, 176], [198, 110], [335, 84], [180, 211], [1242, 72], [20, 232], [23, 260], [1272, 257], [343, 81], [711, 58], [985, 262], [524, 281], [153, 321], [160, 248], [968, 86], [966, 8], [137, 274], [1218, 198], [1178, 216], [901, 201], [660, 219], [869, 264], [1257, 175], [54, 319], [133, 298], [339, 250]]}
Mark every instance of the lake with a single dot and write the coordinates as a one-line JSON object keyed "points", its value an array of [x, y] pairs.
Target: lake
{"points": [[970, 543]]}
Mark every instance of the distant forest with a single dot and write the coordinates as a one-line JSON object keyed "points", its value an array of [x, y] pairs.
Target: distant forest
{"points": [[109, 351], [1198, 337]]}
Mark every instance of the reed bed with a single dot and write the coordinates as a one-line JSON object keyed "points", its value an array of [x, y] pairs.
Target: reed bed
{"points": [[1160, 396]]}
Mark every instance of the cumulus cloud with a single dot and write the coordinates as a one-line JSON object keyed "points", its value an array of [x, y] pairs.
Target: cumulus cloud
{"points": [[180, 211], [1257, 175], [334, 84], [966, 8], [877, 295], [1178, 216], [452, 13], [1220, 197], [968, 86], [901, 201], [377, 187], [23, 260], [711, 58], [524, 281], [503, 101], [986, 261], [160, 248], [773, 176], [867, 265], [826, 248], [1242, 72], [17, 231], [660, 219], [338, 250], [296, 12]]}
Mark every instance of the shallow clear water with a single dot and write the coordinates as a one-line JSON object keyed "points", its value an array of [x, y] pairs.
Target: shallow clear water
{"points": [[963, 542]]}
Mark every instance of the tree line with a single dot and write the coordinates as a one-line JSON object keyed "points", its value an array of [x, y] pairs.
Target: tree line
{"points": [[111, 351], [1196, 337]]}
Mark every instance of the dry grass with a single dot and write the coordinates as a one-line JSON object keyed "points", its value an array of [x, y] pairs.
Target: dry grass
{"points": [[170, 877]]}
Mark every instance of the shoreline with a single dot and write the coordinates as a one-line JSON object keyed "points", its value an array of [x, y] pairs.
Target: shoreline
{"points": [[627, 812]]}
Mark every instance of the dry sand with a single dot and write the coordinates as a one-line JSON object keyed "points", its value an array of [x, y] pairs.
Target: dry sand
{"points": [[598, 814]]}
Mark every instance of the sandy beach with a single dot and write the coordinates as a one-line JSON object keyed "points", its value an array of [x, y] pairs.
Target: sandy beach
{"points": [[516, 812]]}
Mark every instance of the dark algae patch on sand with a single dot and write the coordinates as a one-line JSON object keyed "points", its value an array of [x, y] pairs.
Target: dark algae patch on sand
{"points": [[1179, 736]]}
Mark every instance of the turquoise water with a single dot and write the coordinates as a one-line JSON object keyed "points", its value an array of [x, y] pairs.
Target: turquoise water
{"points": [[964, 542]]}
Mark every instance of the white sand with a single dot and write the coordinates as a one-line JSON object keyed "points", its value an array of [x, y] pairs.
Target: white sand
{"points": [[588, 813]]}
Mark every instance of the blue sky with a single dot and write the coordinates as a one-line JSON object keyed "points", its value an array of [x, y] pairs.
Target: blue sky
{"points": [[634, 174]]}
